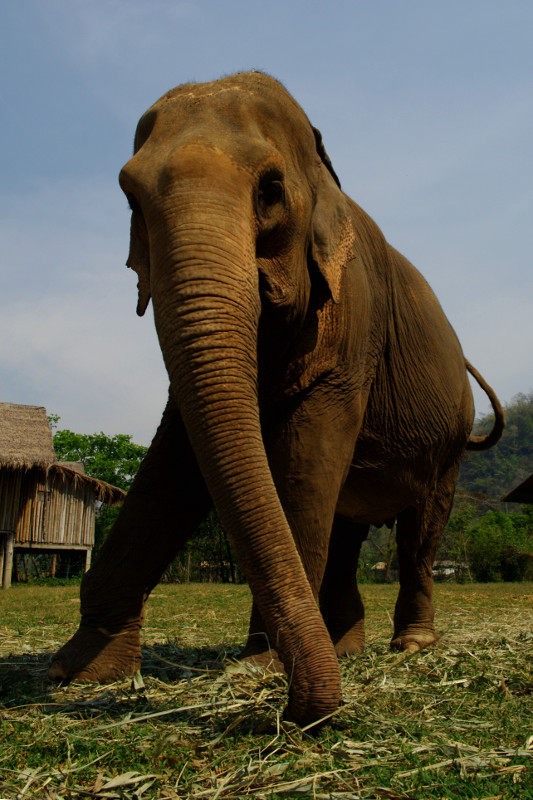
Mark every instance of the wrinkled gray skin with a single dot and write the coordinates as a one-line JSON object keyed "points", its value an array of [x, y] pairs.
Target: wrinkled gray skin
{"points": [[316, 387]]}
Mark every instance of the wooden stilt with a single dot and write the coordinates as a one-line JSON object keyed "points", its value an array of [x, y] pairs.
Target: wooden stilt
{"points": [[2, 554], [8, 560]]}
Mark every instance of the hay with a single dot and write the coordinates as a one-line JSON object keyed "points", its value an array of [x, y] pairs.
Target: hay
{"points": [[74, 477], [25, 437], [422, 725]]}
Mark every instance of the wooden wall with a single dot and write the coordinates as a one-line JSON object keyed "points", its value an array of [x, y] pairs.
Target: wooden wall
{"points": [[10, 485], [46, 510]]}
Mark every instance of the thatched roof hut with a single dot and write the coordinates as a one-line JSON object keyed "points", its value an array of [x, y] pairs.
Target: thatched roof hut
{"points": [[44, 503], [26, 443]]}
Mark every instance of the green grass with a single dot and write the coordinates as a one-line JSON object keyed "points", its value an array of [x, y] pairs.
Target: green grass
{"points": [[453, 721]]}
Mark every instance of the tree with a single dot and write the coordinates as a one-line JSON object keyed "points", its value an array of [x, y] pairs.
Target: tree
{"points": [[454, 544], [207, 556], [493, 472], [494, 546], [501, 547], [113, 459]]}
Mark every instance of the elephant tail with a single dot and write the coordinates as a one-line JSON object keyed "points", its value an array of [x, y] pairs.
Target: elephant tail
{"points": [[484, 442]]}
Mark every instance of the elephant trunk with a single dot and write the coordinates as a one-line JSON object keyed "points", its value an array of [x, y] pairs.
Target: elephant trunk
{"points": [[207, 307]]}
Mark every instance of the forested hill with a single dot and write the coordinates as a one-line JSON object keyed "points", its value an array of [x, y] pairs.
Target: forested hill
{"points": [[496, 471]]}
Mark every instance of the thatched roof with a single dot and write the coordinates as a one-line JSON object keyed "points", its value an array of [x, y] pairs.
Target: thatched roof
{"points": [[105, 492], [26, 442], [25, 437], [523, 493], [77, 466]]}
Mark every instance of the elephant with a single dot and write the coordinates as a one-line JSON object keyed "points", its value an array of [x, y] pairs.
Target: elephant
{"points": [[316, 388]]}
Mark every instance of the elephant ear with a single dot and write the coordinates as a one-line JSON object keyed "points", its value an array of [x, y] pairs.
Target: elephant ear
{"points": [[332, 235], [139, 261], [321, 150]]}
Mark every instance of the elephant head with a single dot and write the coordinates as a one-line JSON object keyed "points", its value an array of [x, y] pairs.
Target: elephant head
{"points": [[237, 214]]}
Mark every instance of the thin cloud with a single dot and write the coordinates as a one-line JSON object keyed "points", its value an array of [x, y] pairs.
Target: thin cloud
{"points": [[71, 338]]}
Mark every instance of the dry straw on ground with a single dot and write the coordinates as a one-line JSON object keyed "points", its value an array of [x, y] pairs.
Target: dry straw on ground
{"points": [[454, 720]]}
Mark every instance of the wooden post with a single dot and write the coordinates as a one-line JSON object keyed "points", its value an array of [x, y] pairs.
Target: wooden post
{"points": [[36, 567], [88, 554], [53, 565], [8, 560], [2, 554]]}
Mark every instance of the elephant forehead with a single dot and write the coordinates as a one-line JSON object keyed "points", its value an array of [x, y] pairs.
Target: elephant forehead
{"points": [[243, 87], [232, 117], [200, 150]]}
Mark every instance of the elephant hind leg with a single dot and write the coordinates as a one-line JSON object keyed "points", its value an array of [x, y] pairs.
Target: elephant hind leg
{"points": [[418, 535], [340, 601]]}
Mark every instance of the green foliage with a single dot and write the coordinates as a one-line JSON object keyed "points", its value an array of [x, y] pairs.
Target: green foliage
{"points": [[208, 556], [454, 545], [494, 546], [105, 519], [53, 420], [113, 459], [494, 472], [500, 547]]}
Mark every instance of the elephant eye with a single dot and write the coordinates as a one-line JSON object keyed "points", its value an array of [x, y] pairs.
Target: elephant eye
{"points": [[270, 191], [271, 206]]}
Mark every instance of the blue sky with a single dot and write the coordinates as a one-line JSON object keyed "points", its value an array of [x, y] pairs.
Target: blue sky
{"points": [[426, 112]]}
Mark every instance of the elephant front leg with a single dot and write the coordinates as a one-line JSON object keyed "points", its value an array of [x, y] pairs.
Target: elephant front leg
{"points": [[418, 536], [163, 508], [340, 602]]}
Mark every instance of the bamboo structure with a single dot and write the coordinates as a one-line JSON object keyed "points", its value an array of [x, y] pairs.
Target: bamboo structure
{"points": [[44, 504]]}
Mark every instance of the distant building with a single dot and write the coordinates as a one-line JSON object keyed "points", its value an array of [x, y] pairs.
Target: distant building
{"points": [[445, 570], [45, 505], [384, 571]]}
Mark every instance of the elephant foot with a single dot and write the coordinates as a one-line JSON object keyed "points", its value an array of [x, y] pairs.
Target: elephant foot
{"points": [[95, 655], [347, 632], [257, 653], [351, 643], [412, 642], [268, 660]]}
